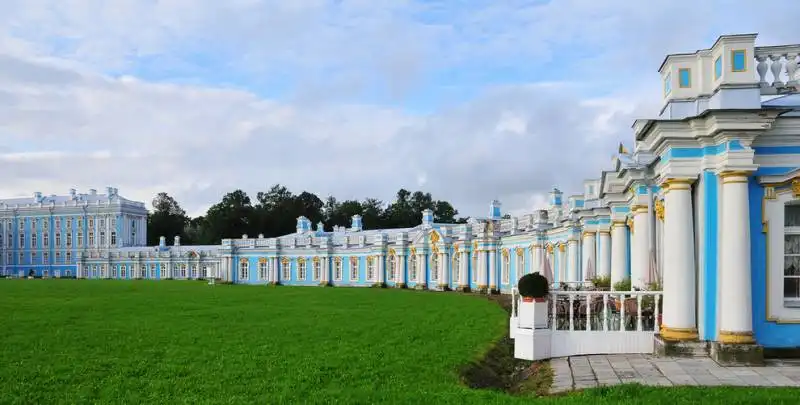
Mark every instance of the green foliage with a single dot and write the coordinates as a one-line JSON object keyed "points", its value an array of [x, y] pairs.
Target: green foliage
{"points": [[274, 213], [533, 285], [602, 281], [623, 285]]}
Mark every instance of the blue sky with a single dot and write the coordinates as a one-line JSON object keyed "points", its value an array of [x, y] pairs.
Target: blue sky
{"points": [[470, 100]]}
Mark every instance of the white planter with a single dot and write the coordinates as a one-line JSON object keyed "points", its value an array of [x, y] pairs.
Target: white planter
{"points": [[532, 315]]}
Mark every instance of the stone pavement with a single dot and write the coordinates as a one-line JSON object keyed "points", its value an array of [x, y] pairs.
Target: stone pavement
{"points": [[582, 372]]}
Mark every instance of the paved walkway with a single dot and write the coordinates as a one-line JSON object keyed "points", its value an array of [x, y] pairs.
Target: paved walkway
{"points": [[591, 371]]}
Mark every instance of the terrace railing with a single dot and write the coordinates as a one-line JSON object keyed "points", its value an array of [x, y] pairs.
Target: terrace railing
{"points": [[776, 67]]}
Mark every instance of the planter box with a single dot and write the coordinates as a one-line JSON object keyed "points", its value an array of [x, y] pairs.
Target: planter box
{"points": [[533, 315]]}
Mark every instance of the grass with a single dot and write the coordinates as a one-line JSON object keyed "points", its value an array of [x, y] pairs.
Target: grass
{"points": [[81, 341]]}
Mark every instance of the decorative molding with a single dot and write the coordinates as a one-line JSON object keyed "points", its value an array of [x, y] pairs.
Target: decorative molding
{"points": [[413, 250], [659, 208], [520, 251], [629, 222], [337, 259], [434, 237]]}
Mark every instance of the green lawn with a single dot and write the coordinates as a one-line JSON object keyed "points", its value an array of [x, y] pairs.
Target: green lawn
{"points": [[79, 341]]}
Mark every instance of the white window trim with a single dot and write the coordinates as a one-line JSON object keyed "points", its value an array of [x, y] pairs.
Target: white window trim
{"points": [[302, 270], [338, 269], [434, 265], [412, 267], [774, 215], [263, 269], [373, 268], [353, 269], [316, 267]]}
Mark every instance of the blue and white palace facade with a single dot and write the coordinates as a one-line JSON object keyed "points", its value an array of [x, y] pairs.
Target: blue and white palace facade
{"points": [[706, 201]]}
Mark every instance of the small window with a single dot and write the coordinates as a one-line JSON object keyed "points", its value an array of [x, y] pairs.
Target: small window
{"points": [[34, 241], [685, 78], [668, 84], [718, 67], [738, 60]]}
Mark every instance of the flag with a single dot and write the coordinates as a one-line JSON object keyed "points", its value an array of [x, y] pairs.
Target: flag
{"points": [[622, 149], [590, 269], [547, 271]]}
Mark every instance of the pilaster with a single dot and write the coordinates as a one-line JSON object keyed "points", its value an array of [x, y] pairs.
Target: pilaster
{"points": [[619, 252], [588, 250]]}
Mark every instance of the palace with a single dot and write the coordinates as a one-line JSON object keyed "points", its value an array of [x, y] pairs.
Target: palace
{"points": [[706, 204]]}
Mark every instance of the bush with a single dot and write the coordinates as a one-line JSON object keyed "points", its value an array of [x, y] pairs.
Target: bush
{"points": [[602, 281], [533, 285], [624, 285]]}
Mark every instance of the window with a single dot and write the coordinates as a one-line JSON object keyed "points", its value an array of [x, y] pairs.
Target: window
{"points": [[263, 269], [113, 271], [91, 239], [183, 270], [79, 222], [102, 238], [9, 258], [68, 273], [353, 269], [370, 268], [475, 267], [738, 60], [685, 78], [113, 223], [143, 271], [46, 274], [69, 257], [520, 267], [456, 267], [58, 223], [504, 270], [392, 267], [165, 270], [337, 269], [244, 270], [80, 239], [94, 271], [58, 257], [45, 257], [45, 224], [69, 223], [21, 257], [34, 241], [317, 269], [21, 224], [412, 267], [46, 240], [113, 238], [286, 271], [124, 271], [301, 269], [434, 267], [104, 270], [58, 239], [668, 84], [21, 240], [204, 272], [33, 257], [152, 271], [718, 67], [791, 256], [90, 222], [9, 241], [102, 222], [194, 271]]}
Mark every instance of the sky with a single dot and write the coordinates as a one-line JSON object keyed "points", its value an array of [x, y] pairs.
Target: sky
{"points": [[469, 100]]}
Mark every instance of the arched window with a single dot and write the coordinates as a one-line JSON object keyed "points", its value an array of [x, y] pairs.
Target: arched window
{"points": [[392, 267], [337, 269], [370, 268], [301, 269], [317, 268], [505, 267], [412, 267], [434, 266], [244, 270]]}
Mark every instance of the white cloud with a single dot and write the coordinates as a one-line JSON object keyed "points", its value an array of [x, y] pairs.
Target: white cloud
{"points": [[77, 109]]}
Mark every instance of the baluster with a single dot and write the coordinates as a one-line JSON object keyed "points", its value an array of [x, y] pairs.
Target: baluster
{"points": [[571, 312], [514, 303], [588, 311], [554, 318], [761, 68], [639, 312], [776, 67], [605, 312], [791, 69], [656, 323], [622, 312]]}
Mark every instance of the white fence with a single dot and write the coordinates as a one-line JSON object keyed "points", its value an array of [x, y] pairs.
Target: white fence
{"points": [[587, 322]]}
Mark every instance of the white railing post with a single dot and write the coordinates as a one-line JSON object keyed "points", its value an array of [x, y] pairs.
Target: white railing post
{"points": [[638, 312], [514, 302], [571, 312], [605, 311], [554, 317], [622, 312], [588, 312], [656, 313]]}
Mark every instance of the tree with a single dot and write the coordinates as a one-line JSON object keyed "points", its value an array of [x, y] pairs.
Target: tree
{"points": [[230, 218], [168, 219]]}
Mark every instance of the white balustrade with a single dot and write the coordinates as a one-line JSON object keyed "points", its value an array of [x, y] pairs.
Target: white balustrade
{"points": [[776, 67]]}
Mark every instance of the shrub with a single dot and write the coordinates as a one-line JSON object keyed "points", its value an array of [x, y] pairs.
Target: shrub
{"points": [[602, 281], [533, 285], [624, 285]]}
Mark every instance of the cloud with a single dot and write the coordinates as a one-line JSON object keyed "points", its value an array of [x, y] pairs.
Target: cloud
{"points": [[198, 98]]}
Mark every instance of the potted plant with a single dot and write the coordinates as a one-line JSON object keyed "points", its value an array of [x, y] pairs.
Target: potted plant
{"points": [[602, 282], [622, 285], [534, 289]]}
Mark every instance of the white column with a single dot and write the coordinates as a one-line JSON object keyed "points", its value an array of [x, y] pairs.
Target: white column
{"points": [[679, 262], [735, 294], [561, 251], [273, 269], [463, 275], [445, 273], [326, 268], [589, 249], [483, 281], [536, 257], [492, 268], [421, 266], [380, 257], [640, 244], [572, 260], [401, 270], [619, 252], [604, 255]]}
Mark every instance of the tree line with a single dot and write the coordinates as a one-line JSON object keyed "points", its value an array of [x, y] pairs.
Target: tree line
{"points": [[274, 213]]}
